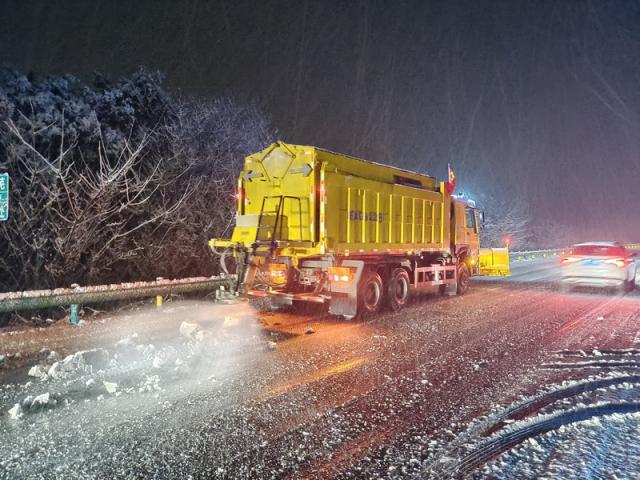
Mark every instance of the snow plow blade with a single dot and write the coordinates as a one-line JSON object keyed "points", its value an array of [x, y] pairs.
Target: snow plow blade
{"points": [[494, 262]]}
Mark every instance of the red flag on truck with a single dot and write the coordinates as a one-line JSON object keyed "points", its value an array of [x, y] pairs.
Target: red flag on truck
{"points": [[450, 185]]}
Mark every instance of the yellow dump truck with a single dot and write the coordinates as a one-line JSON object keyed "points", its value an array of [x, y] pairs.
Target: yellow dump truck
{"points": [[318, 226]]}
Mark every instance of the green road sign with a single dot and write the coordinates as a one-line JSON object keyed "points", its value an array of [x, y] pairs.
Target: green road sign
{"points": [[4, 196]]}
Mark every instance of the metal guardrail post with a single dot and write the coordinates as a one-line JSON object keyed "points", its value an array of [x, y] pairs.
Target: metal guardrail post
{"points": [[73, 317]]}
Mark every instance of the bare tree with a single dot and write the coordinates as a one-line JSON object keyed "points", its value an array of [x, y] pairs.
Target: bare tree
{"points": [[99, 195]]}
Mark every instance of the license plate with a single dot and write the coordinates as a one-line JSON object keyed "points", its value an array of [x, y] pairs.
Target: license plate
{"points": [[592, 262]]}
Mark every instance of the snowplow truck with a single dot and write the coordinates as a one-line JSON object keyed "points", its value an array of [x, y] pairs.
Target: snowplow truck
{"points": [[317, 226]]}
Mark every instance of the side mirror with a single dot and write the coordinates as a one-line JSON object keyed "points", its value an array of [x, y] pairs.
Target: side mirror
{"points": [[633, 254]]}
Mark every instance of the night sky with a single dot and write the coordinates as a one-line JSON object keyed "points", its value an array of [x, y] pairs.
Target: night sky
{"points": [[536, 100]]}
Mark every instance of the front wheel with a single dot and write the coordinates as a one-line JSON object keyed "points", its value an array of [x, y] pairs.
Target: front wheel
{"points": [[370, 295], [463, 279], [398, 289]]}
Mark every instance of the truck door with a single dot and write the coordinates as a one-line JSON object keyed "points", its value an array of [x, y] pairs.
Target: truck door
{"points": [[471, 231]]}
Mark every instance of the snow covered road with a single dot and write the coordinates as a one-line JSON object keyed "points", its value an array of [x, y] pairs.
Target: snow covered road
{"points": [[418, 393]]}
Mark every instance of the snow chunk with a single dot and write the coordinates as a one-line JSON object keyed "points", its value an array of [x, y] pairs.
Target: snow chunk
{"points": [[37, 371], [15, 412], [96, 358], [189, 330], [111, 387], [159, 361], [151, 383], [309, 331], [55, 370], [42, 401], [147, 351]]}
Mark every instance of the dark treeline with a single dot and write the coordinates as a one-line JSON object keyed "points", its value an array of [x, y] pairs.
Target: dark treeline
{"points": [[116, 180]]}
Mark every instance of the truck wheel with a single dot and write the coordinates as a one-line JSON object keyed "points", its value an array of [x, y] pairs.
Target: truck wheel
{"points": [[370, 295], [398, 289], [463, 279]]}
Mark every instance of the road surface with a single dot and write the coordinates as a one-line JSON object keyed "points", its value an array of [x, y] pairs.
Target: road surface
{"points": [[512, 380]]}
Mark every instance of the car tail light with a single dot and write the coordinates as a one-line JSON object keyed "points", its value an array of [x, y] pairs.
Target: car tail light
{"points": [[618, 262], [278, 272], [341, 274], [569, 260]]}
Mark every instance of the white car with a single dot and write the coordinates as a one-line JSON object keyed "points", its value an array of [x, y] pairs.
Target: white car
{"points": [[599, 264]]}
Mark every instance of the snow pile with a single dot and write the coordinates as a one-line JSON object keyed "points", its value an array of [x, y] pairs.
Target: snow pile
{"points": [[166, 377], [86, 360]]}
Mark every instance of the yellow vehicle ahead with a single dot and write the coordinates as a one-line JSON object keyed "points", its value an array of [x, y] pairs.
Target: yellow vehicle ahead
{"points": [[314, 225]]}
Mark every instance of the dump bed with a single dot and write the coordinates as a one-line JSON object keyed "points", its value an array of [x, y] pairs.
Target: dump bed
{"points": [[307, 201]]}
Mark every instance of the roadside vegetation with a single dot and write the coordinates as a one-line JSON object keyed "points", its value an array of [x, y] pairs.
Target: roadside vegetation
{"points": [[116, 180]]}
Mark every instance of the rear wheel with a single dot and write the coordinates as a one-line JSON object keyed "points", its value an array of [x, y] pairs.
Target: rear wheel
{"points": [[398, 289], [629, 285], [370, 294], [463, 278]]}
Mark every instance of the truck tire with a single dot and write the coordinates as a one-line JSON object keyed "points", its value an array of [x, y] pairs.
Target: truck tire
{"points": [[463, 279], [398, 289], [370, 294]]}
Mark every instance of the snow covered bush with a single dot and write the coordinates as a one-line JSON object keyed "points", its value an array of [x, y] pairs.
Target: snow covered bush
{"points": [[115, 181]]}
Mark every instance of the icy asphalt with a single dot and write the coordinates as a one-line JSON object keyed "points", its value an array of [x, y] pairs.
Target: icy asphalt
{"points": [[512, 380]]}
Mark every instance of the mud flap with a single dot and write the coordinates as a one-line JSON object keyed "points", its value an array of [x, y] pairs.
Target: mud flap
{"points": [[346, 306], [344, 300], [450, 289], [280, 301]]}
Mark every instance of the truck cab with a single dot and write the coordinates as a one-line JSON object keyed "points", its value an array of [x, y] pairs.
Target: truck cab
{"points": [[467, 221]]}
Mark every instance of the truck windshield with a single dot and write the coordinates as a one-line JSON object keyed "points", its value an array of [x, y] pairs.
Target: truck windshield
{"points": [[471, 218]]}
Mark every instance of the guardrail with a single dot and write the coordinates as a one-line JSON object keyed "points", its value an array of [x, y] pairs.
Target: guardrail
{"points": [[528, 255], [537, 254], [77, 295]]}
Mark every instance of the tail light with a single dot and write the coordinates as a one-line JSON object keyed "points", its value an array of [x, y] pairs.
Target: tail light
{"points": [[618, 262], [341, 274], [278, 272]]}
